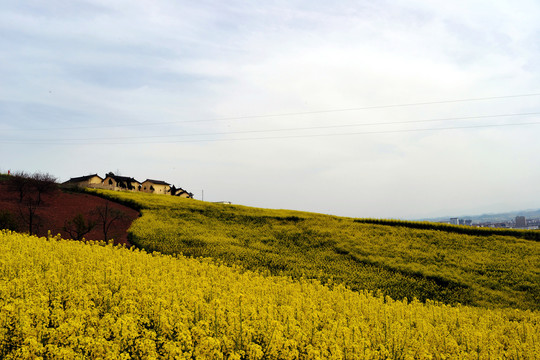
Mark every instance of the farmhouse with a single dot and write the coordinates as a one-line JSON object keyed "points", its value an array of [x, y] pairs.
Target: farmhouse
{"points": [[116, 182], [181, 193], [86, 181], [155, 187]]}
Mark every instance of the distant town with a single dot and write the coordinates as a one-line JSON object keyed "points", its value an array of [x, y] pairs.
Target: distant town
{"points": [[519, 222]]}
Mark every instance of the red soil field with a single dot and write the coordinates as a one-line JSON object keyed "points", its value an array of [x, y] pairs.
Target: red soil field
{"points": [[58, 207]]}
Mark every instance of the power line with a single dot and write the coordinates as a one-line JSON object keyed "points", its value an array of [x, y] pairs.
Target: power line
{"points": [[298, 128], [289, 113], [285, 137]]}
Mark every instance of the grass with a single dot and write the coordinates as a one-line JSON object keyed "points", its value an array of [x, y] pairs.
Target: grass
{"points": [[491, 271]]}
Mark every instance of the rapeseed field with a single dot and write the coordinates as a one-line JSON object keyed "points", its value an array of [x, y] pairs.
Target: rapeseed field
{"points": [[485, 269], [62, 299]]}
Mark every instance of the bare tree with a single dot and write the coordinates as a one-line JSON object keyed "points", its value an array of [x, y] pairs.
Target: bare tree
{"points": [[34, 185], [20, 182], [78, 226], [27, 212], [107, 216], [30, 189], [42, 184]]}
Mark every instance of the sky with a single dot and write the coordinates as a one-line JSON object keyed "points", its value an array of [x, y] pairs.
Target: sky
{"points": [[384, 109]]}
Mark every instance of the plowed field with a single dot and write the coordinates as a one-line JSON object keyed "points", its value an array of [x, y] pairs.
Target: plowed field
{"points": [[59, 207]]}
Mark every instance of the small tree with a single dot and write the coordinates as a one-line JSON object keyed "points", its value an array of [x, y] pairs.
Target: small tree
{"points": [[30, 189], [78, 226], [20, 183], [27, 212], [107, 216], [43, 184], [34, 185]]}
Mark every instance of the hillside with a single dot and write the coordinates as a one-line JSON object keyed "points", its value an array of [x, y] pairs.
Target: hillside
{"points": [[402, 262], [57, 209], [71, 300]]}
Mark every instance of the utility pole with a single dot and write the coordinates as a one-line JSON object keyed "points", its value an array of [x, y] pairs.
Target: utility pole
{"points": [[202, 195]]}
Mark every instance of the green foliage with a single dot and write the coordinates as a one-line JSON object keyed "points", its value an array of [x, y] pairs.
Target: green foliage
{"points": [[493, 271], [70, 300]]}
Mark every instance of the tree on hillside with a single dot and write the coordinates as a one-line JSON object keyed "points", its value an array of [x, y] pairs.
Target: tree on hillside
{"points": [[43, 184], [107, 216], [27, 212], [78, 226], [20, 183], [34, 185], [30, 188]]}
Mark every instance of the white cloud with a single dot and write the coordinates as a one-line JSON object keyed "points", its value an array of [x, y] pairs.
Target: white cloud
{"points": [[120, 62]]}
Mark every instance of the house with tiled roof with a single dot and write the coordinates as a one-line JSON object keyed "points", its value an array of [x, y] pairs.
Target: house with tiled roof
{"points": [[181, 193], [155, 187], [93, 180], [117, 182]]}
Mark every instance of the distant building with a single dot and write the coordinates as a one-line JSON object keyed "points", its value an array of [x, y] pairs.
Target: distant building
{"points": [[116, 182], [521, 222], [156, 187], [85, 181], [454, 221], [181, 193]]}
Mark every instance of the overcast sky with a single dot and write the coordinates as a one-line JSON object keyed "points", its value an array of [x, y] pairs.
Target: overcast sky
{"points": [[323, 106]]}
